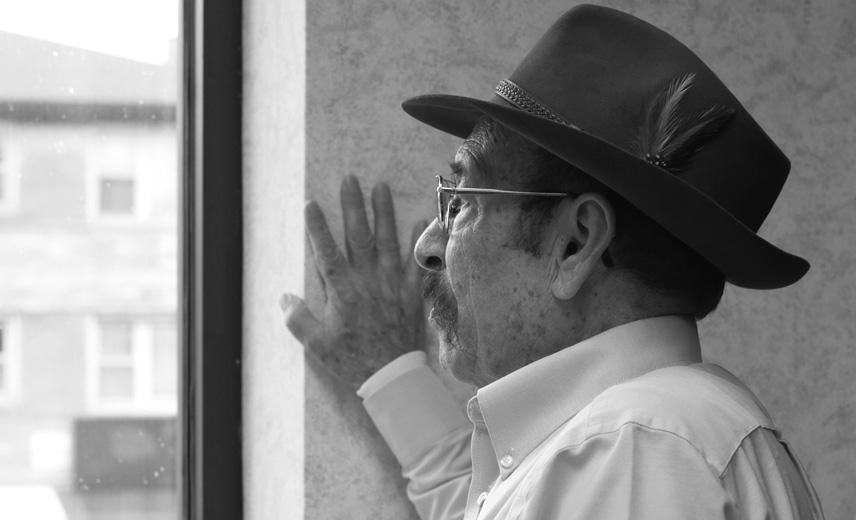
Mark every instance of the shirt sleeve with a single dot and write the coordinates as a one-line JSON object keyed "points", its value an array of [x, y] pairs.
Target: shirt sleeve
{"points": [[643, 473], [766, 480], [428, 434], [398, 366], [632, 473]]}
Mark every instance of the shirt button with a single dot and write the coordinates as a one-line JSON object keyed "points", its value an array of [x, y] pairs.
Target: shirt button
{"points": [[507, 461], [480, 500]]}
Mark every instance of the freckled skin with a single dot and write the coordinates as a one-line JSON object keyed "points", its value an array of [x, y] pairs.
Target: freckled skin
{"points": [[503, 294]]}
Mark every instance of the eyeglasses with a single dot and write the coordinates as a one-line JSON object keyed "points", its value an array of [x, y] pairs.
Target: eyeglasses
{"points": [[448, 200]]}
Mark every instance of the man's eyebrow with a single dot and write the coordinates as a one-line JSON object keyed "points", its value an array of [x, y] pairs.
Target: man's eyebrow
{"points": [[457, 168]]}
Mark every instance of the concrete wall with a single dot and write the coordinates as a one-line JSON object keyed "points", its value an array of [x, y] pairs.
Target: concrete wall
{"points": [[792, 63]]}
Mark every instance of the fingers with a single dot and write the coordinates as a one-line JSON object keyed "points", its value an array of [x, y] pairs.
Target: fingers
{"points": [[329, 260], [386, 234], [359, 240], [298, 318]]}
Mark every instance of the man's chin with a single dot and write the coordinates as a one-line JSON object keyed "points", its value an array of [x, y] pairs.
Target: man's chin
{"points": [[455, 361]]}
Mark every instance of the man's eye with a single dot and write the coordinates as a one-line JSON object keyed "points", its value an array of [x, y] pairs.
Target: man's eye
{"points": [[455, 205]]}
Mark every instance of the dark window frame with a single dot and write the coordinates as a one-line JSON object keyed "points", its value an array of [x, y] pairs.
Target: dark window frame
{"points": [[212, 260]]}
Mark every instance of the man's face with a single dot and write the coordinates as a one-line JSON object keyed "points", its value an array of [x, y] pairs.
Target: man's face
{"points": [[492, 301]]}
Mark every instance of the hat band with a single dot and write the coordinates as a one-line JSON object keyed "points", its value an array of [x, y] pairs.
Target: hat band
{"points": [[521, 99]]}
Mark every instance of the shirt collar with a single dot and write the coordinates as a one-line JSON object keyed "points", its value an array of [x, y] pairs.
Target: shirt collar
{"points": [[523, 408]]}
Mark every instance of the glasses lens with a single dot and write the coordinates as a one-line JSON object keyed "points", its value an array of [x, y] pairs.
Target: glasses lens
{"points": [[443, 199]]}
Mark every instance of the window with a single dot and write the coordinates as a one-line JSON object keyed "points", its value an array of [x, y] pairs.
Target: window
{"points": [[9, 173], [115, 371], [4, 379], [89, 136], [133, 365], [83, 101], [164, 360], [10, 361], [116, 196], [4, 176], [126, 166]]}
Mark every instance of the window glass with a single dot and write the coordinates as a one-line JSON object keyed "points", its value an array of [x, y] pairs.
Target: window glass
{"points": [[89, 185], [165, 360], [3, 378], [9, 362], [117, 196], [116, 339], [8, 177], [133, 364], [116, 382]]}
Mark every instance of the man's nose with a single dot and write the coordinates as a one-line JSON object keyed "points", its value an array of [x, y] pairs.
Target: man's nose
{"points": [[430, 251]]}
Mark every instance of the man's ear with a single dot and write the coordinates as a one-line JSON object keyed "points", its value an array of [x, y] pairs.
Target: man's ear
{"points": [[586, 228]]}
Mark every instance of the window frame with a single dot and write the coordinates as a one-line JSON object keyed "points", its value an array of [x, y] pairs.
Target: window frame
{"points": [[211, 241]]}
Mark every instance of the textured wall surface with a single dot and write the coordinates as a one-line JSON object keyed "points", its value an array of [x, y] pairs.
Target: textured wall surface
{"points": [[792, 63], [274, 103]]}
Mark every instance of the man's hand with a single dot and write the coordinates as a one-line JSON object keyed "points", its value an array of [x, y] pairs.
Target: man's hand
{"points": [[373, 309]]}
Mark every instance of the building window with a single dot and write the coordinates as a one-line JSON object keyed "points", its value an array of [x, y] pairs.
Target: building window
{"points": [[9, 179], [4, 178], [133, 366], [164, 361], [10, 362], [116, 196], [116, 375], [4, 362]]}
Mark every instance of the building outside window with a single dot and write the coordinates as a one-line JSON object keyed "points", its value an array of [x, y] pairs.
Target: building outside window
{"points": [[4, 361], [132, 365], [10, 361], [9, 175], [89, 178], [116, 195]]}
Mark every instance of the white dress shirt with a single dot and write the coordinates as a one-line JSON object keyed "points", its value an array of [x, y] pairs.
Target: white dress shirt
{"points": [[627, 424]]}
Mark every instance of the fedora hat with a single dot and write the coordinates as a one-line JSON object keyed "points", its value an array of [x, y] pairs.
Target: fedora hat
{"points": [[634, 108]]}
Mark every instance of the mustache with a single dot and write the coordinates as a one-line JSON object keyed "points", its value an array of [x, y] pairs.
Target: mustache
{"points": [[436, 287]]}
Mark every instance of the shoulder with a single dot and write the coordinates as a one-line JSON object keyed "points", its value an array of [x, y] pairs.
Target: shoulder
{"points": [[700, 405]]}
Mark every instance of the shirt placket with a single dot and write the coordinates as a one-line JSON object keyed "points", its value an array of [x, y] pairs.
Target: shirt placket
{"points": [[484, 463]]}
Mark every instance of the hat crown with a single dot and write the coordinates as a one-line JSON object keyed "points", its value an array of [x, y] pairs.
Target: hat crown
{"points": [[599, 69]]}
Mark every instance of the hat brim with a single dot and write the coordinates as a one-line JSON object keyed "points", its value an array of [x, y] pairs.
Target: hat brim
{"points": [[746, 259]]}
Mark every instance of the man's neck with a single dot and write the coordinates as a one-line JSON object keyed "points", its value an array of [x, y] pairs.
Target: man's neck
{"points": [[615, 301]]}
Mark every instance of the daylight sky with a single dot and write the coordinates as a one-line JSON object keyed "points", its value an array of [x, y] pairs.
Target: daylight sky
{"points": [[136, 29]]}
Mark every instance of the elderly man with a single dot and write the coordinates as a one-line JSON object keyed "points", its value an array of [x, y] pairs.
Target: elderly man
{"points": [[600, 201]]}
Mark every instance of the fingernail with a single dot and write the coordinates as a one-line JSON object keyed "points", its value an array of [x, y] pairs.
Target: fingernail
{"points": [[381, 193], [352, 183]]}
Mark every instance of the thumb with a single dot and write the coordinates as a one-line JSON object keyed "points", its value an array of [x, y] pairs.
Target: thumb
{"points": [[298, 318]]}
